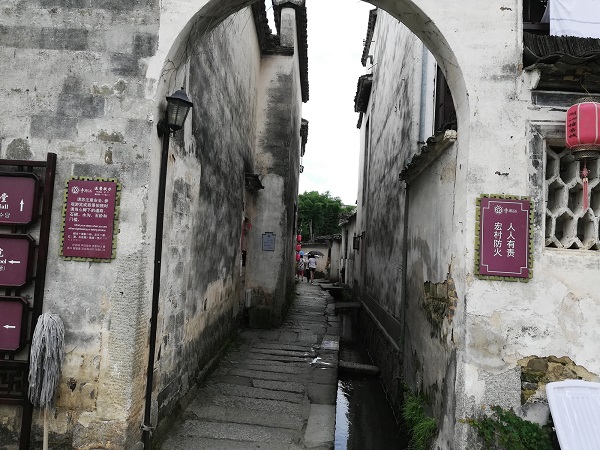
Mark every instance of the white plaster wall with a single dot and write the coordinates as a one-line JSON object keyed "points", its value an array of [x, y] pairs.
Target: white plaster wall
{"points": [[497, 323], [277, 159]]}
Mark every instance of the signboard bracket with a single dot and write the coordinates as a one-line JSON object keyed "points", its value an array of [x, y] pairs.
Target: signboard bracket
{"points": [[15, 366]]}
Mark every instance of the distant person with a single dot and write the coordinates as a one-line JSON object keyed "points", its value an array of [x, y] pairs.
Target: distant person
{"points": [[312, 266], [300, 269]]}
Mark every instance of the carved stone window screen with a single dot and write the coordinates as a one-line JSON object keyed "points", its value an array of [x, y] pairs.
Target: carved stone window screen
{"points": [[568, 226]]}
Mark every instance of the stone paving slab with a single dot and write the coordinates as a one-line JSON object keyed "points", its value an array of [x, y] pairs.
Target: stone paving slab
{"points": [[247, 416], [264, 375], [239, 432], [275, 391], [253, 392], [320, 426], [278, 406], [282, 346], [262, 365], [276, 352], [285, 386], [195, 443]]}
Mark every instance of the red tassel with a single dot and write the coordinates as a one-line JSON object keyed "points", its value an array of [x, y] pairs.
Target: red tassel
{"points": [[584, 175]]}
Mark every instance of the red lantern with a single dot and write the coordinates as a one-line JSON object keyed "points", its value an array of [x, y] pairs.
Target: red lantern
{"points": [[583, 129], [298, 247], [297, 256], [299, 238], [583, 137]]}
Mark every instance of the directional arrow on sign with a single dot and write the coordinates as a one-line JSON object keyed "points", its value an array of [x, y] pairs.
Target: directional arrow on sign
{"points": [[9, 326], [21, 204], [14, 262]]}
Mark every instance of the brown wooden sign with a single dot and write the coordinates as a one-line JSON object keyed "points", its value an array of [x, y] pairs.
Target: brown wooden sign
{"points": [[16, 255], [90, 212], [13, 323], [18, 198], [504, 229]]}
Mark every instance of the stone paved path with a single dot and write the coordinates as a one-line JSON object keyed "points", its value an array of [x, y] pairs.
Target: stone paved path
{"points": [[276, 390]]}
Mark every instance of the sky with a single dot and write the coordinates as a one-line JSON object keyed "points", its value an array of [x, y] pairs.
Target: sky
{"points": [[336, 30]]}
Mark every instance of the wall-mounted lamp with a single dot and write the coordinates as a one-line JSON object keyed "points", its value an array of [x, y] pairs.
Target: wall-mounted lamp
{"points": [[178, 107]]}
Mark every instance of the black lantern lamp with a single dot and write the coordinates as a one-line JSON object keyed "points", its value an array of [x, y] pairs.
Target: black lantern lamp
{"points": [[178, 107]]}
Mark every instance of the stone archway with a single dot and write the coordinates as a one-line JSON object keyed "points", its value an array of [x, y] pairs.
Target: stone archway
{"points": [[428, 19], [85, 82], [444, 30]]}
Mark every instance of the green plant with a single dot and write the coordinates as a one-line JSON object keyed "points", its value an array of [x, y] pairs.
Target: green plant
{"points": [[505, 430], [420, 426]]}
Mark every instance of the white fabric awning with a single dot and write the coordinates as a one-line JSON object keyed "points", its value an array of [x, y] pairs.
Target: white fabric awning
{"points": [[579, 18]]}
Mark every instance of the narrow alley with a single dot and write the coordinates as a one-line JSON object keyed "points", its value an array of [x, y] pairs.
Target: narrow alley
{"points": [[273, 390]]}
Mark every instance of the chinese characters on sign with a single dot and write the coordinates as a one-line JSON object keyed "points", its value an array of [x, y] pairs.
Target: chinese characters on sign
{"points": [[504, 237], [16, 251], [89, 219], [268, 242], [18, 198]]}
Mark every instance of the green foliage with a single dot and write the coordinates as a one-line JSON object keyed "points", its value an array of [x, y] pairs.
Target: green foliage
{"points": [[421, 427], [505, 430], [319, 214]]}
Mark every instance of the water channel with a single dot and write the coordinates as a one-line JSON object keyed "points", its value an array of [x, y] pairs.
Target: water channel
{"points": [[364, 417]]}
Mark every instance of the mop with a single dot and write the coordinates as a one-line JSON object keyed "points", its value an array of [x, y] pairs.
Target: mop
{"points": [[47, 354]]}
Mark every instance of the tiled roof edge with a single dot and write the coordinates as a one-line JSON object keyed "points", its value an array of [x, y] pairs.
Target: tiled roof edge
{"points": [[302, 31], [369, 38]]}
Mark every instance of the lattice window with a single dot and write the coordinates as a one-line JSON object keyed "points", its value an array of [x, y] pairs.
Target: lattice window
{"points": [[12, 383], [567, 224]]}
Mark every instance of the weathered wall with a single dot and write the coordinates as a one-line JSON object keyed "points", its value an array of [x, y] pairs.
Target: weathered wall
{"points": [[334, 263], [429, 362], [73, 80], [390, 135], [89, 84], [277, 159], [465, 337], [392, 140], [200, 305]]}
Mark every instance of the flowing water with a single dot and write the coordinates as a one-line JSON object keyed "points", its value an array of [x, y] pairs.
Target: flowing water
{"points": [[364, 417]]}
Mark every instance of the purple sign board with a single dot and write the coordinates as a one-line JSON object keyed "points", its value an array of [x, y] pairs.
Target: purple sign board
{"points": [[16, 254], [89, 219], [13, 323], [504, 237], [18, 198]]}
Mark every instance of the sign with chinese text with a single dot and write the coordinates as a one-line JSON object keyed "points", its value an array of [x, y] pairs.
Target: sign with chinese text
{"points": [[18, 198], [16, 254], [268, 242], [90, 212], [13, 323], [504, 238]]}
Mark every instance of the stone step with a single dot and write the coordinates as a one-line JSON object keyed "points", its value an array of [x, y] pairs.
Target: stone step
{"points": [[237, 432], [195, 443], [247, 416]]}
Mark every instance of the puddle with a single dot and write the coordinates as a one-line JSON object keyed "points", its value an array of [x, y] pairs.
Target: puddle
{"points": [[364, 417]]}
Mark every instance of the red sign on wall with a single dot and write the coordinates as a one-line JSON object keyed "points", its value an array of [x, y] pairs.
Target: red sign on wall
{"points": [[89, 219], [504, 237], [13, 321], [16, 254], [18, 198]]}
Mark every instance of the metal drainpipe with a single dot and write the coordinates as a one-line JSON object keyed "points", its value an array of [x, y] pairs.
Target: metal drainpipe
{"points": [[165, 132]]}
